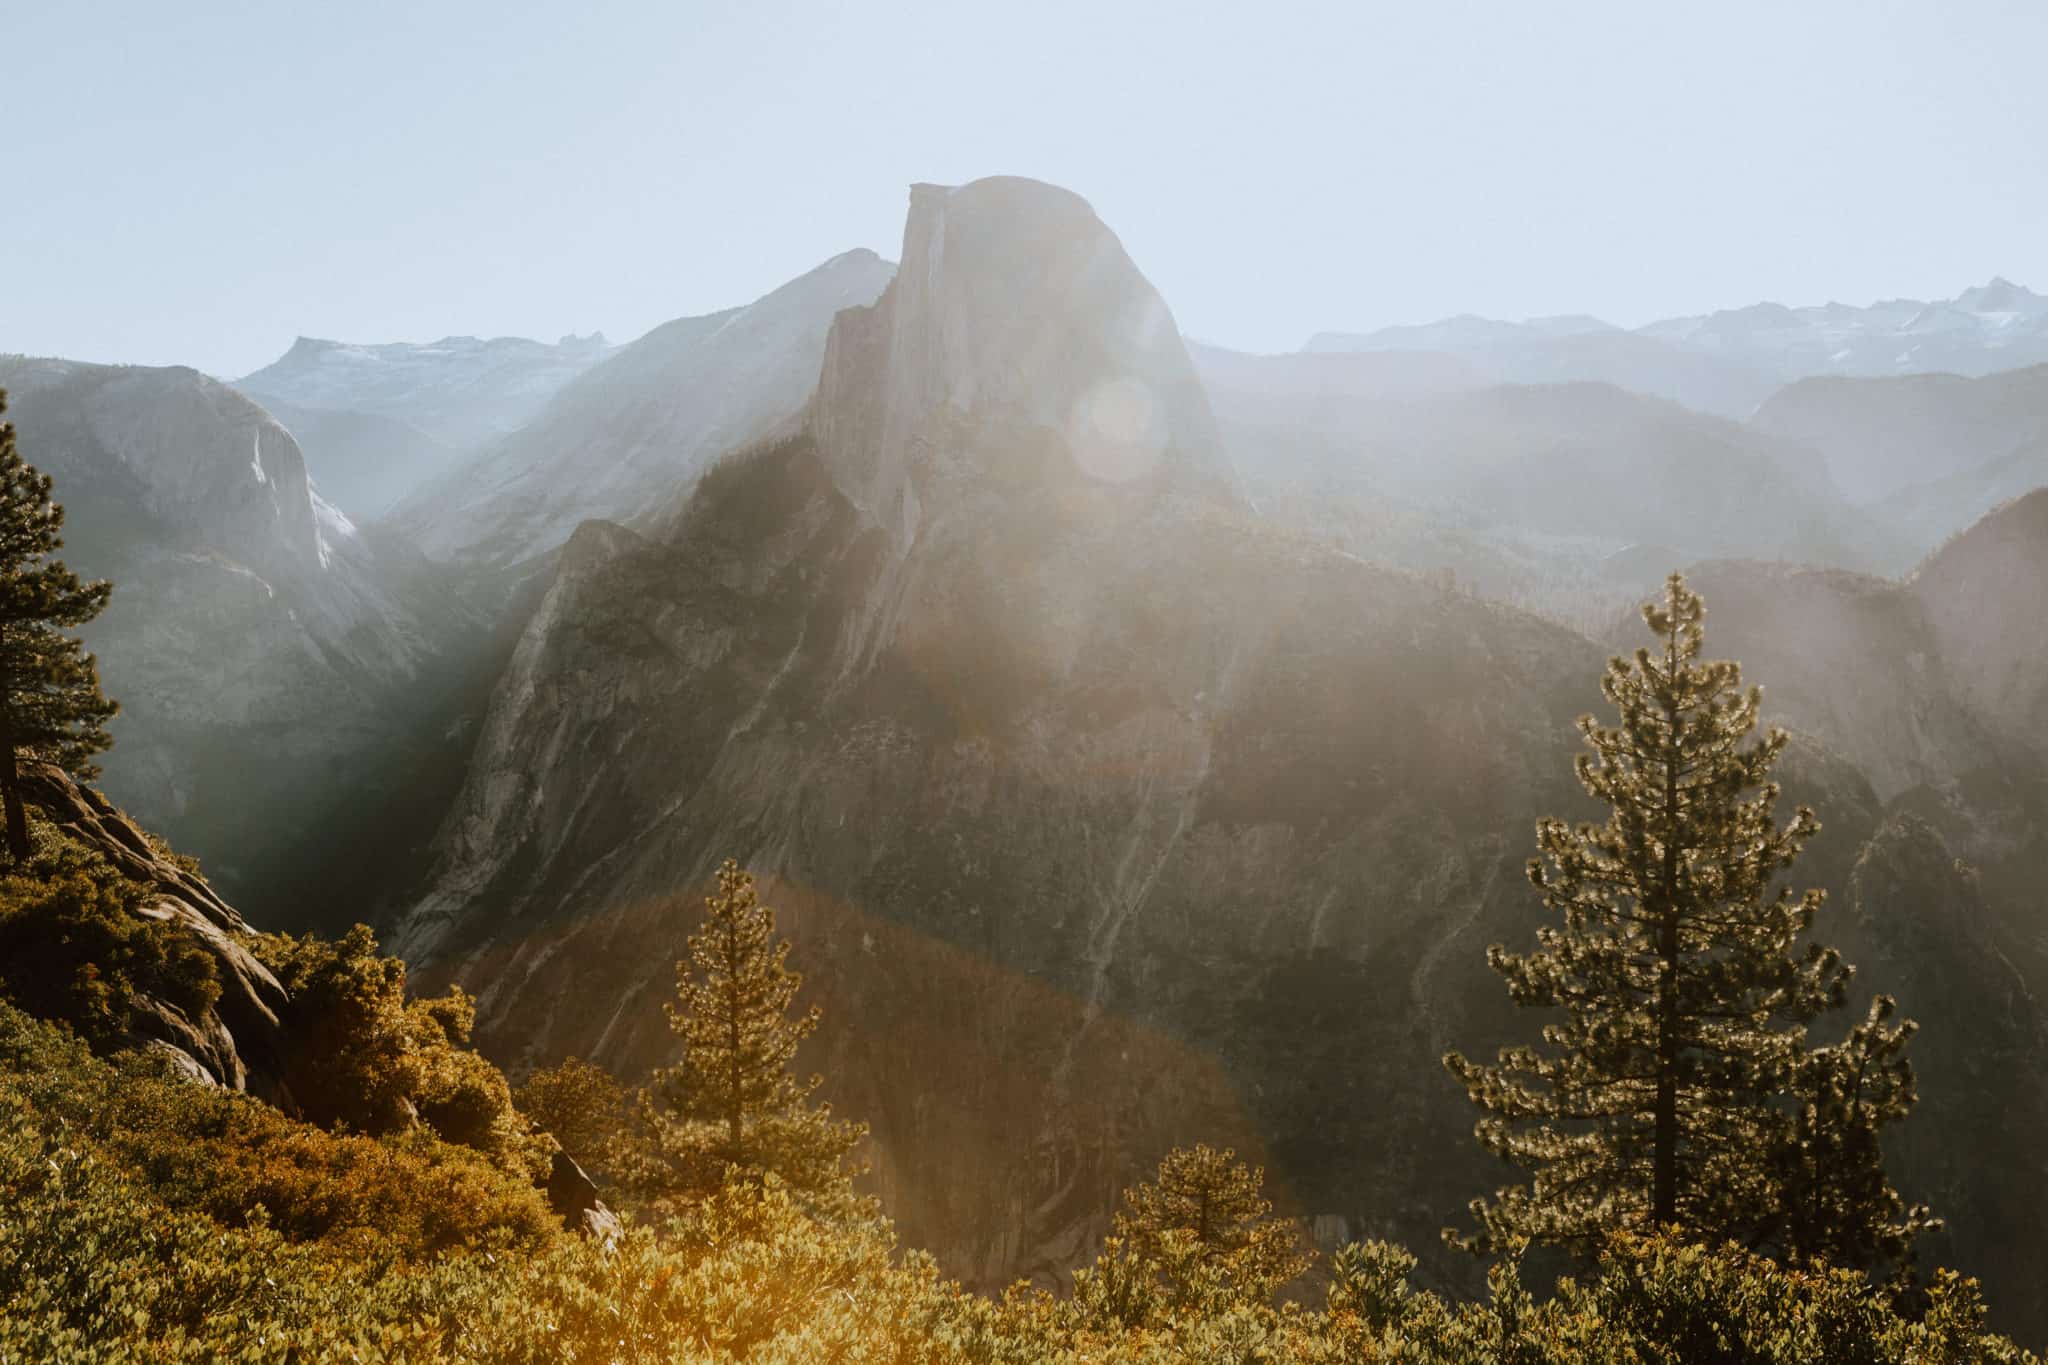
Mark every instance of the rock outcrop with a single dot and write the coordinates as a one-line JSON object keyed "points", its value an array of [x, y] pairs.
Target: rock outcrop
{"points": [[240, 1042], [254, 1037]]}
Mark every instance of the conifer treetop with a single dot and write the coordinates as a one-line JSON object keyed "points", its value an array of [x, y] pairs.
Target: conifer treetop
{"points": [[1682, 979], [51, 707], [730, 1104]]}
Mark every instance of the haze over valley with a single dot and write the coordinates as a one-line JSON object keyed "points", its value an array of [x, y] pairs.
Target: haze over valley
{"points": [[1142, 742]]}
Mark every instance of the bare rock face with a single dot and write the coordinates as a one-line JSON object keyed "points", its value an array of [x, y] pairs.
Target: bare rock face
{"points": [[1104, 816], [1014, 304], [255, 636], [573, 1196]]}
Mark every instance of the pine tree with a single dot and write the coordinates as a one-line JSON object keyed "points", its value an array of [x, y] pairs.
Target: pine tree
{"points": [[1204, 1216], [731, 1105], [50, 702], [1835, 1200], [1666, 1093]]}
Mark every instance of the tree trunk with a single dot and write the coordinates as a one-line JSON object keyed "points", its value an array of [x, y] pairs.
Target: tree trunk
{"points": [[1664, 1149], [732, 977], [17, 818], [10, 780], [1664, 1153]]}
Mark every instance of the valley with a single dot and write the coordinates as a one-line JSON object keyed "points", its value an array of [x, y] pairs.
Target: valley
{"points": [[1141, 740]]}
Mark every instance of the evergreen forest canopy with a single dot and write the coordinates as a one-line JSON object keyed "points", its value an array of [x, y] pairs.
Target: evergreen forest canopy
{"points": [[219, 1143]]}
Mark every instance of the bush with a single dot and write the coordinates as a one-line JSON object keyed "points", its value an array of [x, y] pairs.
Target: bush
{"points": [[224, 1155], [147, 1219], [583, 1107], [75, 945], [364, 1058]]}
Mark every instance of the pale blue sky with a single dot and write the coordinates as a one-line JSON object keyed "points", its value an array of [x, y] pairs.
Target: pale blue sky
{"points": [[200, 182]]}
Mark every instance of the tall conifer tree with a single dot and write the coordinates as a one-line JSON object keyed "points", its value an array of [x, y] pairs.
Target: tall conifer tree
{"points": [[1670, 1092], [50, 702], [1835, 1200], [731, 1104], [1206, 1211]]}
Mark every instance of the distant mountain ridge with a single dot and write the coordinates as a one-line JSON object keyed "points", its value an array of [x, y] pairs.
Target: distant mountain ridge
{"points": [[626, 435], [1728, 361], [1122, 726], [379, 420], [1881, 436], [439, 386]]}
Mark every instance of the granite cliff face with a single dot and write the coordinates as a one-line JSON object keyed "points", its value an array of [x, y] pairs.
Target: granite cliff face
{"points": [[256, 635], [1103, 815], [1017, 308], [624, 437]]}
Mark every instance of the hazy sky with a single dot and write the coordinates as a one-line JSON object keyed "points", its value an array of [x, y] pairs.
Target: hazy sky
{"points": [[200, 182]]}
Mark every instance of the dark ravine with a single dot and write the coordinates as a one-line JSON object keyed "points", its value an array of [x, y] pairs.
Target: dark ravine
{"points": [[270, 656]]}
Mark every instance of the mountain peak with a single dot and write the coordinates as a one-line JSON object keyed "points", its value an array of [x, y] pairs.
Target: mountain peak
{"points": [[306, 350], [2000, 295], [1014, 304]]}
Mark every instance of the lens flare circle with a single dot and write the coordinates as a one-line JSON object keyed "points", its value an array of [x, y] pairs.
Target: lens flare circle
{"points": [[1117, 431]]}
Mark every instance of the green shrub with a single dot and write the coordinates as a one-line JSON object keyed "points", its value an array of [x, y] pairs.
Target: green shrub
{"points": [[75, 946], [361, 1056], [224, 1231], [224, 1155]]}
